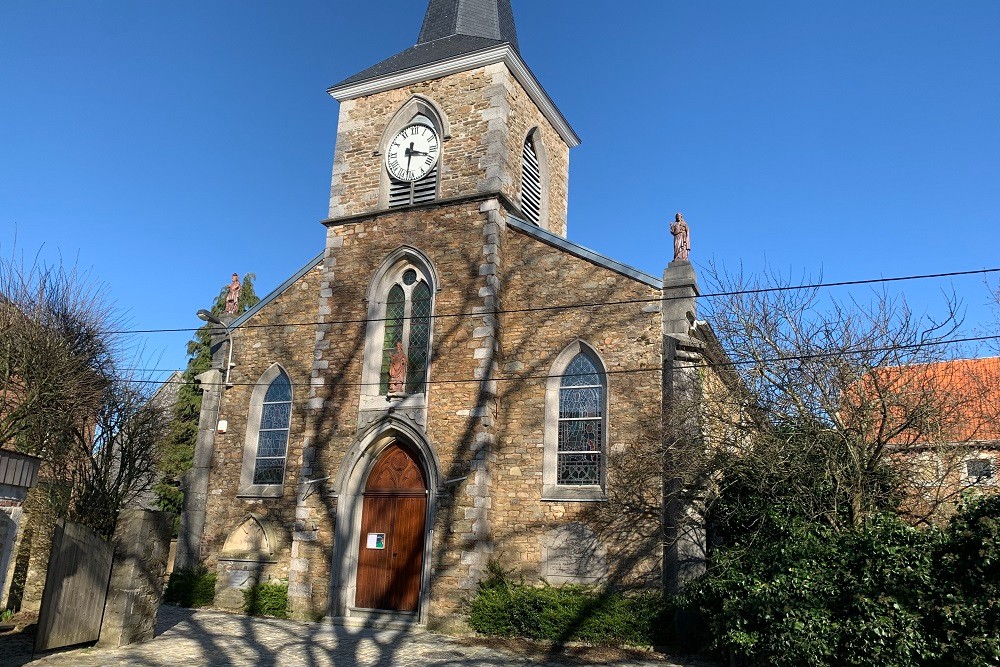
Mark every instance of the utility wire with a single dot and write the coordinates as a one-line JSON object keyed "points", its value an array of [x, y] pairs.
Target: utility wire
{"points": [[650, 369], [591, 304]]}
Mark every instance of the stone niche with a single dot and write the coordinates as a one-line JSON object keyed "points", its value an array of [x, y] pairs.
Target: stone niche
{"points": [[572, 554], [248, 557]]}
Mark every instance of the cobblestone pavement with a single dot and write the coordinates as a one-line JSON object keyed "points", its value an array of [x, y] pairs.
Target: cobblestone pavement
{"points": [[191, 638]]}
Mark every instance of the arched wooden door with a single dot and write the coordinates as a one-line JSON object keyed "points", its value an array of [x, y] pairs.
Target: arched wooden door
{"points": [[391, 548]]}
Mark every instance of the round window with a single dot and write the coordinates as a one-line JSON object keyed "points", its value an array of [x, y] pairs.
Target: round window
{"points": [[409, 277]]}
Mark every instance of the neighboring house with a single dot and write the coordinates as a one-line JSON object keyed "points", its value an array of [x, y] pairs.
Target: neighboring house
{"points": [[442, 412], [959, 452], [18, 473]]}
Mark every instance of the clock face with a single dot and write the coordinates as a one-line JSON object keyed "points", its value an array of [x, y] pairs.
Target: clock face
{"points": [[412, 153]]}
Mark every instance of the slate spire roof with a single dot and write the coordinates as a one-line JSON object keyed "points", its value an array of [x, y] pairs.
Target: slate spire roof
{"points": [[451, 28], [491, 19]]}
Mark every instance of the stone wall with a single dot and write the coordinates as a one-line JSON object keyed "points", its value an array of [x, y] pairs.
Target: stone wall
{"points": [[627, 337], [489, 116], [31, 552], [11, 510], [142, 545], [256, 348], [487, 435]]}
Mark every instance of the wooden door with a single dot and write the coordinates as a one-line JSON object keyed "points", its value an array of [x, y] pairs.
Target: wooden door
{"points": [[76, 586], [391, 545]]}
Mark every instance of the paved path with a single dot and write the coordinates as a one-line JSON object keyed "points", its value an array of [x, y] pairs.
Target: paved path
{"points": [[193, 638]]}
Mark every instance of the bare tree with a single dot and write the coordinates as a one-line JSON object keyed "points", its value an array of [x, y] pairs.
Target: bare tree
{"points": [[836, 400], [63, 395]]}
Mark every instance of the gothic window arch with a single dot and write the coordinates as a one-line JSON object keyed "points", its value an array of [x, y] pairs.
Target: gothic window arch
{"points": [[265, 448], [400, 314], [534, 179], [395, 193], [576, 426]]}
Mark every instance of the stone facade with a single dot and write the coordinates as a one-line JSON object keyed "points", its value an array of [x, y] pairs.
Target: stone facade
{"points": [[485, 427]]}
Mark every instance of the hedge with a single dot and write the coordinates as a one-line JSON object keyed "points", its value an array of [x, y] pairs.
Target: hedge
{"points": [[266, 600], [190, 588], [502, 608]]}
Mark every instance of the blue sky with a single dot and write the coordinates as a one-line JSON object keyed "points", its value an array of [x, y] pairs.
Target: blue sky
{"points": [[164, 145]]}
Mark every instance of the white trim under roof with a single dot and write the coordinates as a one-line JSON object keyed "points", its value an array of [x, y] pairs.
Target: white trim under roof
{"points": [[504, 53]]}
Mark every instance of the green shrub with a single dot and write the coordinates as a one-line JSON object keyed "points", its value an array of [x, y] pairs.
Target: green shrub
{"points": [[502, 608], [966, 613], [190, 588], [266, 600], [804, 594]]}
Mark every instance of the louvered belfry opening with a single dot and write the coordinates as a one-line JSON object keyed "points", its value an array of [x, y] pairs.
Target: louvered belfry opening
{"points": [[417, 192], [531, 183]]}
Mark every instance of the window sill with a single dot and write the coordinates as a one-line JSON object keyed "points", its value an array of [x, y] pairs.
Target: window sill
{"points": [[579, 494], [261, 491]]}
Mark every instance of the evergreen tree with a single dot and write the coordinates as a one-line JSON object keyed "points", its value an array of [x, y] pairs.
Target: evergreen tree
{"points": [[177, 452]]}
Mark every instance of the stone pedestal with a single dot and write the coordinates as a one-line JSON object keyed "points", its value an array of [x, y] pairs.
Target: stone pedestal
{"points": [[142, 546], [685, 553], [192, 523]]}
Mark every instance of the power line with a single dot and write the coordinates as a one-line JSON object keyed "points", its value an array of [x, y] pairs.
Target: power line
{"points": [[650, 369], [592, 304]]}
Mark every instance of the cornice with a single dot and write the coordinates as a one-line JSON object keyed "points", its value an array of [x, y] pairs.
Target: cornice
{"points": [[504, 53]]}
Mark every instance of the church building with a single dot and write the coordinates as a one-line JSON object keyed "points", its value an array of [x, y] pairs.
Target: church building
{"points": [[452, 380]]}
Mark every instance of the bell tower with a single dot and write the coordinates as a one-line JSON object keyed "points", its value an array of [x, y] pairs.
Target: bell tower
{"points": [[457, 115]]}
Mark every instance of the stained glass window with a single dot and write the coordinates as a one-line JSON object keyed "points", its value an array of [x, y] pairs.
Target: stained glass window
{"points": [[395, 311], [581, 423], [420, 336], [272, 437]]}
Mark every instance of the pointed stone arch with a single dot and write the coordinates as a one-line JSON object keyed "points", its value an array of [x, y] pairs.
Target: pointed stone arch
{"points": [[349, 486], [551, 488], [373, 404], [254, 537], [251, 438], [418, 107]]}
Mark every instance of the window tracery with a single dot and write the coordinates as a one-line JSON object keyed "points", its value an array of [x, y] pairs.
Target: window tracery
{"points": [[575, 436]]}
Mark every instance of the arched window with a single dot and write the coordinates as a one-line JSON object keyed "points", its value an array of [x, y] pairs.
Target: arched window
{"points": [[407, 322], [531, 182], [581, 423], [272, 436], [399, 336], [265, 448], [575, 437]]}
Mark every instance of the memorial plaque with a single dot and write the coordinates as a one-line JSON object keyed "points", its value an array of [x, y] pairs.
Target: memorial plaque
{"points": [[572, 554]]}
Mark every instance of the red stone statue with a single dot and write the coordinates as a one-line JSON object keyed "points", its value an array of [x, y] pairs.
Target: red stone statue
{"points": [[397, 370], [233, 297], [682, 239]]}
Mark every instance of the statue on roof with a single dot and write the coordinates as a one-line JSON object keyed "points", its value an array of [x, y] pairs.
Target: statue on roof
{"points": [[682, 239], [233, 296]]}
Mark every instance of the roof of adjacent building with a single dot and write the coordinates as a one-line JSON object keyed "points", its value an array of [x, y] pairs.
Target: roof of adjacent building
{"points": [[451, 28], [963, 396]]}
